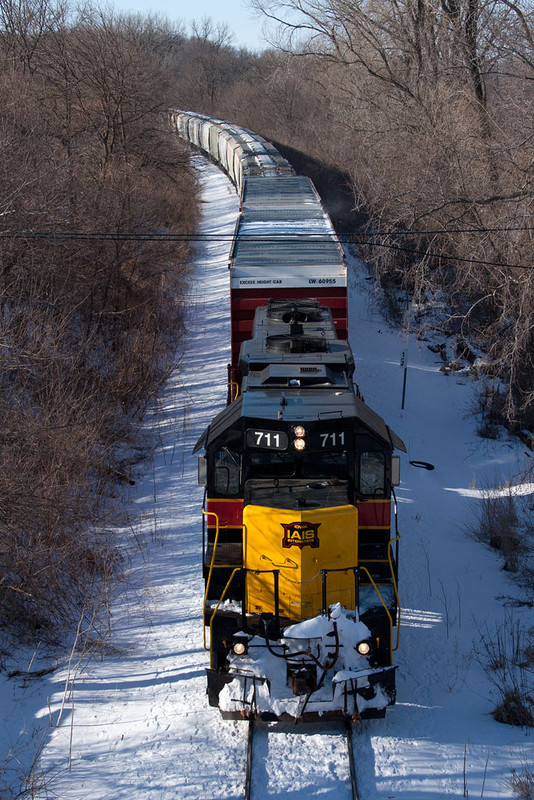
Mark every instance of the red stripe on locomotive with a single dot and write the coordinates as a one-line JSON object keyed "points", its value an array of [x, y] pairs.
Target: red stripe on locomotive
{"points": [[374, 514], [229, 513]]}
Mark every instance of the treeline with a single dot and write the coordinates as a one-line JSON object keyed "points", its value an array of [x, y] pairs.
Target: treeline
{"points": [[90, 314], [428, 107]]}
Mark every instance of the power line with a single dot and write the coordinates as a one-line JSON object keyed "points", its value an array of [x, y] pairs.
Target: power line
{"points": [[347, 236], [443, 257], [287, 238]]}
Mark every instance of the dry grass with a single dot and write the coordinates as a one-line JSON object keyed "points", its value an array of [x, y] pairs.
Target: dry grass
{"points": [[522, 783], [505, 653], [498, 525]]}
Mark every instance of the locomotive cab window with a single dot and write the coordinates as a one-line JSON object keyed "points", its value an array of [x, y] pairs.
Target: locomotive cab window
{"points": [[372, 473], [227, 471], [271, 465], [326, 465]]}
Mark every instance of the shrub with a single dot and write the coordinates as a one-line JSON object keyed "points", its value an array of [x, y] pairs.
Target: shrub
{"points": [[505, 655]]}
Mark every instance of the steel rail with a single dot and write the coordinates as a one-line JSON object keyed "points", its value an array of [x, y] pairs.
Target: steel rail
{"points": [[352, 765], [350, 754], [248, 775]]}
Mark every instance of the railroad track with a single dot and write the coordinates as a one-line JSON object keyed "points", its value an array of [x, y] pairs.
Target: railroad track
{"points": [[258, 750]]}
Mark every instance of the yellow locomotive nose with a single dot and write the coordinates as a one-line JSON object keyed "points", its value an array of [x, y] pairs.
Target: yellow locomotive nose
{"points": [[300, 545]]}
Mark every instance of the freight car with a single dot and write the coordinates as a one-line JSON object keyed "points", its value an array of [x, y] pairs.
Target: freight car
{"points": [[301, 607], [285, 245]]}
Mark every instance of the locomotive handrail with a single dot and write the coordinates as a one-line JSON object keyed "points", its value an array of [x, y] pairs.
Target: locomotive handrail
{"points": [[356, 570], [221, 598], [276, 579], [395, 515], [394, 581], [236, 385], [386, 609], [206, 514], [324, 574]]}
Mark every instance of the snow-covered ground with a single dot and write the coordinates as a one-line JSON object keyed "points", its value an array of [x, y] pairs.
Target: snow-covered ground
{"points": [[138, 724]]}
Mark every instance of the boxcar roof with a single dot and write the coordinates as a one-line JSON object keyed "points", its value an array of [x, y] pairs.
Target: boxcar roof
{"points": [[283, 225]]}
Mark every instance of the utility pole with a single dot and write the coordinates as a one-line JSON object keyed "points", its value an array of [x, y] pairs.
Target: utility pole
{"points": [[404, 364]]}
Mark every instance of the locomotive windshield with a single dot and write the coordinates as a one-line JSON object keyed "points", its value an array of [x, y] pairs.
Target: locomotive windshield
{"points": [[313, 465], [314, 480], [297, 493]]}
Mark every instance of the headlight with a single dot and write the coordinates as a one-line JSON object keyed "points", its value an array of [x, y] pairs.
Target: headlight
{"points": [[240, 644], [363, 648], [299, 431], [299, 444]]}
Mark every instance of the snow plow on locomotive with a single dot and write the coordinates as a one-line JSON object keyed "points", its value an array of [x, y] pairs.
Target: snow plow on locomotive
{"points": [[301, 606]]}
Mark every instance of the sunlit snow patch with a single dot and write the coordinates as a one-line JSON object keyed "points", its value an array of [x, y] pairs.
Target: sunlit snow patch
{"points": [[519, 490]]}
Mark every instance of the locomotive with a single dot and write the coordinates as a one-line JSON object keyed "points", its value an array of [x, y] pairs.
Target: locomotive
{"points": [[301, 608]]}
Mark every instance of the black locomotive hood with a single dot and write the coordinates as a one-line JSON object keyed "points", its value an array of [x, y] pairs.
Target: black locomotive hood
{"points": [[298, 406], [224, 420]]}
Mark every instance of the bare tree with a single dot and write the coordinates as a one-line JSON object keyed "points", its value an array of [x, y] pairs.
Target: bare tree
{"points": [[24, 25], [89, 321], [429, 107]]}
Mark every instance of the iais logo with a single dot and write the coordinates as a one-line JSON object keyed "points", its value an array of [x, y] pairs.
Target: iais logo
{"points": [[300, 534]]}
